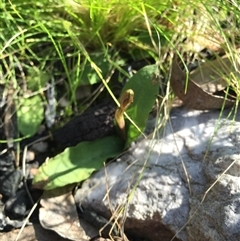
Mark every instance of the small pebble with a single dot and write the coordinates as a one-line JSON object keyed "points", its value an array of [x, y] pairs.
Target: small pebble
{"points": [[40, 147], [30, 156]]}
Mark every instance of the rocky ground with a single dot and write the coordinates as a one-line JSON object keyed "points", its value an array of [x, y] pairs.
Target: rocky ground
{"points": [[180, 185]]}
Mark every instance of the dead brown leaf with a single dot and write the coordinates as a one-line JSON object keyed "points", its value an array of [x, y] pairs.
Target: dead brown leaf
{"points": [[32, 233], [214, 75], [194, 97], [58, 213]]}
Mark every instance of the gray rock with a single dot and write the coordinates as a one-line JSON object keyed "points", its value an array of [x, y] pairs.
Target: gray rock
{"points": [[160, 183]]}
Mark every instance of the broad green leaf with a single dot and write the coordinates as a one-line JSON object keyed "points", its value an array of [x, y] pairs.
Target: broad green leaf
{"points": [[30, 115], [77, 163], [145, 88]]}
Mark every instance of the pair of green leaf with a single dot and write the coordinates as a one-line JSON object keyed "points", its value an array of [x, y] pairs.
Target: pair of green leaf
{"points": [[77, 163]]}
